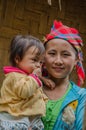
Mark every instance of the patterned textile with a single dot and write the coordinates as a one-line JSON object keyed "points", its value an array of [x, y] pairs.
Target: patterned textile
{"points": [[9, 122], [37, 124], [71, 35], [11, 125]]}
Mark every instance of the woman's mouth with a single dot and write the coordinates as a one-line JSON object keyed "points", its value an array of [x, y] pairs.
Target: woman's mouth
{"points": [[58, 69]]}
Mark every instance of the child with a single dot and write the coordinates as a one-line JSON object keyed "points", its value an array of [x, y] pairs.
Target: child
{"points": [[21, 101]]}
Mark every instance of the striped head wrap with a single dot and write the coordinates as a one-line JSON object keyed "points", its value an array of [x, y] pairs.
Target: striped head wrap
{"points": [[71, 35]]}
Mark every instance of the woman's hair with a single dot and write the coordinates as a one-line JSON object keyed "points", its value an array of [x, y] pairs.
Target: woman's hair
{"points": [[20, 44]]}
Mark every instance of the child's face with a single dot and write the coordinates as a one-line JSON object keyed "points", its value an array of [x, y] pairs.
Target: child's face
{"points": [[30, 61], [60, 58]]}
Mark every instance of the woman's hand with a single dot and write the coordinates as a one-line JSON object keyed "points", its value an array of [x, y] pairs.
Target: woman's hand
{"points": [[48, 82]]}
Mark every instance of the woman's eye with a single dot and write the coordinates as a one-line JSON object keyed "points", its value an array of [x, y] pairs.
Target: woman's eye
{"points": [[66, 54], [51, 54]]}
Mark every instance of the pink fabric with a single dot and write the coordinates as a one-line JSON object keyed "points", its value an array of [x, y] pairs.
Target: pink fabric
{"points": [[36, 78], [9, 69]]}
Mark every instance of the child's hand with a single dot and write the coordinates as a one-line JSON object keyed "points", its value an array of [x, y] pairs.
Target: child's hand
{"points": [[37, 72]]}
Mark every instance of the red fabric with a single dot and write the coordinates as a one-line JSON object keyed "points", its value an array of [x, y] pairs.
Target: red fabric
{"points": [[59, 30]]}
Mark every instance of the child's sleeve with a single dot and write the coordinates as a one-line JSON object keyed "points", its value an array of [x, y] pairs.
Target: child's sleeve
{"points": [[27, 86]]}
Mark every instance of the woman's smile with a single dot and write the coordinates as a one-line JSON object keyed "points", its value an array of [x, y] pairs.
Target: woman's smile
{"points": [[58, 69]]}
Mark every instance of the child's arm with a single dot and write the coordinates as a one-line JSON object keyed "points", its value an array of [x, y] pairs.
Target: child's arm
{"points": [[46, 81]]}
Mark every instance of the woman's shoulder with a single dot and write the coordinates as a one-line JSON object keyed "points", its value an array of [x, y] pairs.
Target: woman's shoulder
{"points": [[78, 90]]}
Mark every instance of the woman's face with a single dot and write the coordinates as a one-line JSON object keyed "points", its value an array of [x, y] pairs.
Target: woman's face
{"points": [[60, 58]]}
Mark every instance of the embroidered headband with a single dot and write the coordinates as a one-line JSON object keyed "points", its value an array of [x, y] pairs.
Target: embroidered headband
{"points": [[71, 35]]}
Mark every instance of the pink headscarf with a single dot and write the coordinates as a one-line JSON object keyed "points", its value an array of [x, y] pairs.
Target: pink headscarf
{"points": [[71, 35]]}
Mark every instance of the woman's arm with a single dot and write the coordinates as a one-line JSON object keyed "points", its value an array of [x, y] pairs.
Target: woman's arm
{"points": [[80, 110]]}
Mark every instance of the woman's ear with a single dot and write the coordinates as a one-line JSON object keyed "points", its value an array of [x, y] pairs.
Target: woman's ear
{"points": [[77, 60]]}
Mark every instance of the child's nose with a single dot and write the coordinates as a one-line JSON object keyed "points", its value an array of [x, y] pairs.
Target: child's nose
{"points": [[38, 65]]}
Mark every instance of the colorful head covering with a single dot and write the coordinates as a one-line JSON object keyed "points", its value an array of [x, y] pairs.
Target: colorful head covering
{"points": [[71, 35]]}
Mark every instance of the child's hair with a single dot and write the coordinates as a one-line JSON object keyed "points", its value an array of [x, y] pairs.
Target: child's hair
{"points": [[20, 44]]}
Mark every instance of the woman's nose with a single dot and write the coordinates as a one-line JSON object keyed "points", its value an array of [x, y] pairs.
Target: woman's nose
{"points": [[58, 60]]}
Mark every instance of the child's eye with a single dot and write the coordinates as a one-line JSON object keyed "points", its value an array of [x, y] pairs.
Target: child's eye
{"points": [[41, 62], [34, 59]]}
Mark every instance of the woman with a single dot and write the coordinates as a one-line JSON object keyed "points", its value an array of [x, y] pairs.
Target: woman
{"points": [[66, 101]]}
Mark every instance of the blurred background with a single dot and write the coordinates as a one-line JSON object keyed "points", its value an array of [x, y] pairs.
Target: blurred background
{"points": [[35, 17]]}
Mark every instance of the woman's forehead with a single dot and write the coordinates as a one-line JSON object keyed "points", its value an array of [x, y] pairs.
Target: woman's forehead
{"points": [[58, 43]]}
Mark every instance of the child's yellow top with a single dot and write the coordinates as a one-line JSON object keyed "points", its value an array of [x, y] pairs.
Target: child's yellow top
{"points": [[21, 95]]}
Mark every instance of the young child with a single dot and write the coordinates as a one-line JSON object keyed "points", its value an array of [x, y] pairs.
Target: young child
{"points": [[21, 102]]}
